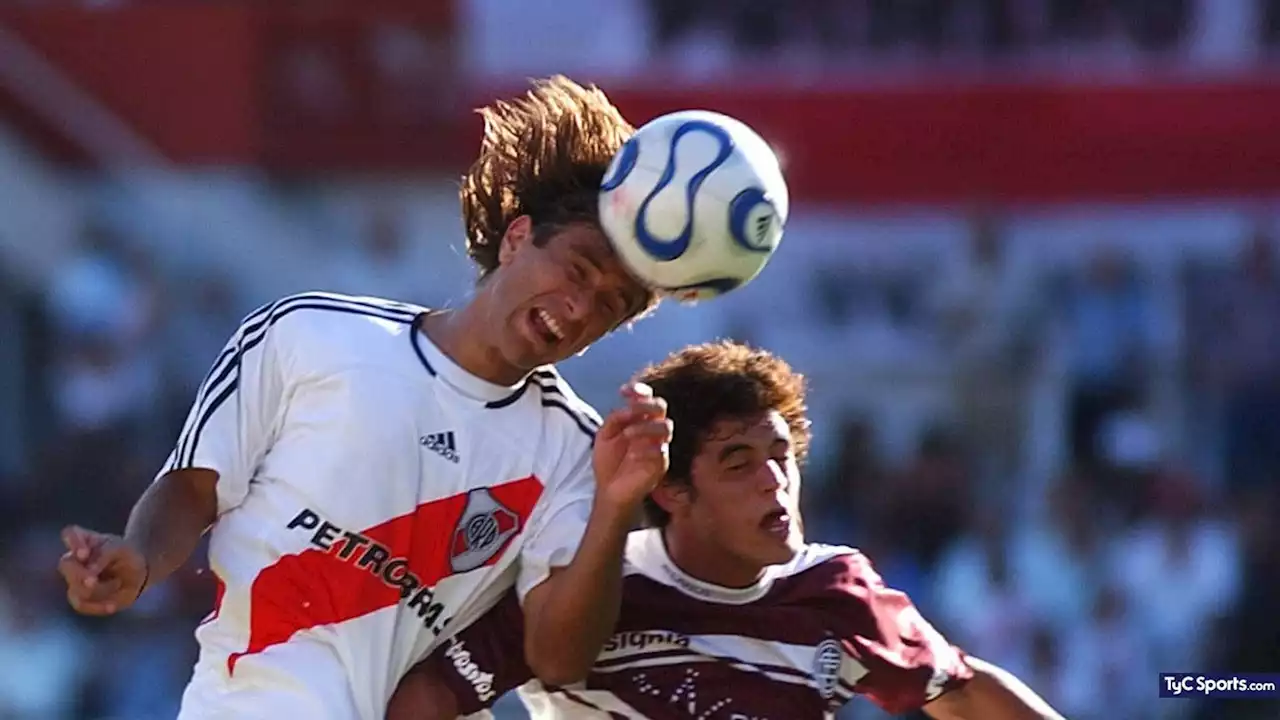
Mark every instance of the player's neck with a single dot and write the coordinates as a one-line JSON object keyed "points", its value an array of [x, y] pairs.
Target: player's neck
{"points": [[459, 336], [699, 562]]}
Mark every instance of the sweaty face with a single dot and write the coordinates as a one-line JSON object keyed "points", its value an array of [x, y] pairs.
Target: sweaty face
{"points": [[745, 506], [557, 296]]}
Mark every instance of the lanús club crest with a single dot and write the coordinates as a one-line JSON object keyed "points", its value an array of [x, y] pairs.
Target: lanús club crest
{"points": [[826, 667]]}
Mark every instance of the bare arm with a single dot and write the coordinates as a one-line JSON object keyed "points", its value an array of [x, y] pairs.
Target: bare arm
{"points": [[229, 429], [571, 614], [422, 696], [992, 694], [167, 521], [106, 573]]}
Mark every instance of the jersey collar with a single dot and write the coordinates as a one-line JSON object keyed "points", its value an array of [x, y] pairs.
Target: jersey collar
{"points": [[442, 367], [648, 551]]}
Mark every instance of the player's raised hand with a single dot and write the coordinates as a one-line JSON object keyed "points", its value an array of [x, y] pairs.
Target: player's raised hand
{"points": [[631, 448], [104, 574]]}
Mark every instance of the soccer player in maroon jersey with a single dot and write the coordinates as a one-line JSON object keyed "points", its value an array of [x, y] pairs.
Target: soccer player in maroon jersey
{"points": [[727, 613]]}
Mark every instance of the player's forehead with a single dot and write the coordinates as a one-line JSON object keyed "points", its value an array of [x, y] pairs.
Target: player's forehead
{"points": [[586, 242], [761, 430]]}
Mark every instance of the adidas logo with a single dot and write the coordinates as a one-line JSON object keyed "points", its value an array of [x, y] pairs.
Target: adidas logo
{"points": [[763, 224], [442, 444]]}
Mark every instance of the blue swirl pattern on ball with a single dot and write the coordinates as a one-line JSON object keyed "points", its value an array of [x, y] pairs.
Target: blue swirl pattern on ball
{"points": [[740, 216], [623, 164], [666, 250]]}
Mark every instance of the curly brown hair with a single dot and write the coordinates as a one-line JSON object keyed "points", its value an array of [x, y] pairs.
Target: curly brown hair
{"points": [[543, 155], [704, 384]]}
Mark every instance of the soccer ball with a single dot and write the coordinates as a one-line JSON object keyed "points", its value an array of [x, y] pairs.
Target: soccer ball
{"points": [[694, 204]]}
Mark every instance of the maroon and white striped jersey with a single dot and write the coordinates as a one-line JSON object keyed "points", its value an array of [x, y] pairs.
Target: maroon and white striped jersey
{"points": [[797, 644]]}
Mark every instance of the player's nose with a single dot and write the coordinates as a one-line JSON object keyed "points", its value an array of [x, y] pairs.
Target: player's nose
{"points": [[773, 476], [577, 304]]}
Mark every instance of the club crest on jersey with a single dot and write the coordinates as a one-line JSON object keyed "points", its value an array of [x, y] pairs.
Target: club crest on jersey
{"points": [[826, 667], [482, 532]]}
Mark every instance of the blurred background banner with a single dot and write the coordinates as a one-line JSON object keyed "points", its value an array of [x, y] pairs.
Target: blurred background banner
{"points": [[1030, 274], [355, 86]]}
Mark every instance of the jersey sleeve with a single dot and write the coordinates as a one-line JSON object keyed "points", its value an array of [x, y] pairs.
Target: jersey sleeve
{"points": [[232, 422], [892, 655], [556, 534]]}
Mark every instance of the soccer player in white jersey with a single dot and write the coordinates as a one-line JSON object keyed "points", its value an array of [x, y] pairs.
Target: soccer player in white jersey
{"points": [[727, 614], [376, 475]]}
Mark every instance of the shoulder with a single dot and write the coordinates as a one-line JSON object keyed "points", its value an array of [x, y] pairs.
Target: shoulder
{"points": [[325, 329], [567, 427], [833, 577], [840, 585], [568, 415], [643, 552], [828, 568], [303, 314]]}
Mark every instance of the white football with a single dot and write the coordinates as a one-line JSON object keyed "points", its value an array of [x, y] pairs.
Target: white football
{"points": [[694, 204]]}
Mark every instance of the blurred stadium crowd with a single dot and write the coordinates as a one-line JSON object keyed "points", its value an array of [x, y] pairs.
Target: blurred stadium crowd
{"points": [[854, 37], [978, 27], [1063, 445]]}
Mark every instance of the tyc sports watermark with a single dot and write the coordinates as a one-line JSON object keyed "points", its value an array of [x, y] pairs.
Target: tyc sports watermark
{"points": [[1236, 685]]}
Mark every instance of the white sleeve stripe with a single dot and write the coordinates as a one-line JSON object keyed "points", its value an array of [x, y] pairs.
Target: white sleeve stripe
{"points": [[224, 377]]}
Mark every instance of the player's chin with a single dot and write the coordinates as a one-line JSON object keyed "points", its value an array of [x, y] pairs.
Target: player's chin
{"points": [[529, 353], [778, 547], [554, 355], [776, 553]]}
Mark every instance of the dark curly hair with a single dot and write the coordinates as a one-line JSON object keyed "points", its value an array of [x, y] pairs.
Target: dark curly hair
{"points": [[704, 384], [543, 155]]}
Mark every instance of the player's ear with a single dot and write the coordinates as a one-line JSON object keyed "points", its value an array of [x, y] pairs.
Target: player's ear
{"points": [[672, 495], [518, 234]]}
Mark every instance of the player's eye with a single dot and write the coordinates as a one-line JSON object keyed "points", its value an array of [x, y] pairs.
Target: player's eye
{"points": [[618, 304]]}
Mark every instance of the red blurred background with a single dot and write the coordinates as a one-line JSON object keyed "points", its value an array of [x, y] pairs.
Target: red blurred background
{"points": [[299, 88]]}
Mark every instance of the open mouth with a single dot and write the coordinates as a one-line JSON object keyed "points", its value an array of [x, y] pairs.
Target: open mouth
{"points": [[777, 522], [546, 326]]}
